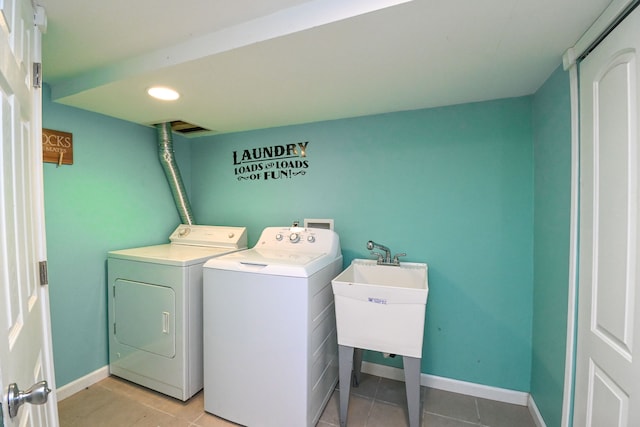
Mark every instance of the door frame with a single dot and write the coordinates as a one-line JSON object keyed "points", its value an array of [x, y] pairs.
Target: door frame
{"points": [[600, 28], [40, 22]]}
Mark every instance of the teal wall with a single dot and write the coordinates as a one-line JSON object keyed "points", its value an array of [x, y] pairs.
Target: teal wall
{"points": [[114, 196], [452, 187], [552, 206]]}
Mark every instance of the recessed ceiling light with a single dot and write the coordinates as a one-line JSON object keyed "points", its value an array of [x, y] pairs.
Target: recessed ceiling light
{"points": [[163, 93]]}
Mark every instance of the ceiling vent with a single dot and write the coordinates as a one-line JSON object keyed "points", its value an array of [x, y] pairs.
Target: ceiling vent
{"points": [[189, 129]]}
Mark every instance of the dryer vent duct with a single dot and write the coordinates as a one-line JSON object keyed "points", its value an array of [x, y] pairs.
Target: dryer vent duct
{"points": [[165, 152]]}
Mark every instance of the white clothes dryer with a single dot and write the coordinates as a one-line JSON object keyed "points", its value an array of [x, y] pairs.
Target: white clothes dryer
{"points": [[155, 308], [270, 340]]}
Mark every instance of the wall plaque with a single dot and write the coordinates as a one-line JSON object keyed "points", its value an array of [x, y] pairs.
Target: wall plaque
{"points": [[57, 147]]}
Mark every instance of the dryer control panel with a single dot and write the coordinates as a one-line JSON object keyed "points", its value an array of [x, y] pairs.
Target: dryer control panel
{"points": [[210, 235], [300, 239]]}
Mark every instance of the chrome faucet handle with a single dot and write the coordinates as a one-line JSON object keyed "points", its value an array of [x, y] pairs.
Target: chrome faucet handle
{"points": [[396, 256], [379, 256]]}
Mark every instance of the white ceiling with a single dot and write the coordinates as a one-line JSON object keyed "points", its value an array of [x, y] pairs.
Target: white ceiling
{"points": [[248, 64]]}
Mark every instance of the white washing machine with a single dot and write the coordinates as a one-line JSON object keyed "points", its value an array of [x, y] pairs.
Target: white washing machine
{"points": [[155, 308], [270, 342]]}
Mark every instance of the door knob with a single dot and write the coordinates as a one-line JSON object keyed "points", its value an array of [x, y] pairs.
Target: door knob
{"points": [[36, 395]]}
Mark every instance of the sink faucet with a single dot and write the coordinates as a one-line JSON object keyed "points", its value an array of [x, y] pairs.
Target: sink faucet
{"points": [[386, 260], [387, 253]]}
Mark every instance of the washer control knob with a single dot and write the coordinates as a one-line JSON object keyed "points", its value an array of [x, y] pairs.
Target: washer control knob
{"points": [[278, 237], [311, 239], [231, 235], [183, 232], [294, 237]]}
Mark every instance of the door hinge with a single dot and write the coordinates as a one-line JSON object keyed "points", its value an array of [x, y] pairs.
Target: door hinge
{"points": [[37, 75], [114, 329], [44, 275]]}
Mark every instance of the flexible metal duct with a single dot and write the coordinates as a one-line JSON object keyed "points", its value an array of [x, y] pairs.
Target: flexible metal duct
{"points": [[165, 152]]}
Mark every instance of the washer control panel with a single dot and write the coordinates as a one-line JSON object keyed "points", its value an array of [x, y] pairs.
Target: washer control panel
{"points": [[299, 239]]}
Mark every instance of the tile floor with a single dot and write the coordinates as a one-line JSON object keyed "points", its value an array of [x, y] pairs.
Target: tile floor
{"points": [[378, 402]]}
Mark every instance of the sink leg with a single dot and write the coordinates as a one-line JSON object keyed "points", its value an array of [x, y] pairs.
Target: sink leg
{"points": [[345, 367], [412, 383], [357, 366]]}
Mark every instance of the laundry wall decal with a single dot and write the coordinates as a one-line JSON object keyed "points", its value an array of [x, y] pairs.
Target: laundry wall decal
{"points": [[271, 162]]}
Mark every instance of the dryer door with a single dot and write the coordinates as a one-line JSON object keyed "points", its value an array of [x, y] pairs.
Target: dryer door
{"points": [[145, 316]]}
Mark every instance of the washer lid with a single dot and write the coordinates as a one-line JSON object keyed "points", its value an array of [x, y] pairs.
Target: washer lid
{"points": [[272, 262], [275, 256]]}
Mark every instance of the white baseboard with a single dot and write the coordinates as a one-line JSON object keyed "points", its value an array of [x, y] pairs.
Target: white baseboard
{"points": [[535, 413], [462, 387], [455, 386], [80, 384]]}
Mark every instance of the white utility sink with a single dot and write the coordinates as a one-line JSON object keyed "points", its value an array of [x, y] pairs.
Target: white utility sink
{"points": [[381, 307]]}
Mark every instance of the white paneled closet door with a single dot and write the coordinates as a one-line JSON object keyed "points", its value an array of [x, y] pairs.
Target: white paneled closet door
{"points": [[607, 389]]}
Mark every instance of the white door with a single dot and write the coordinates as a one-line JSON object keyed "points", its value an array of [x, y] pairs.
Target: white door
{"points": [[607, 392], [25, 337]]}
